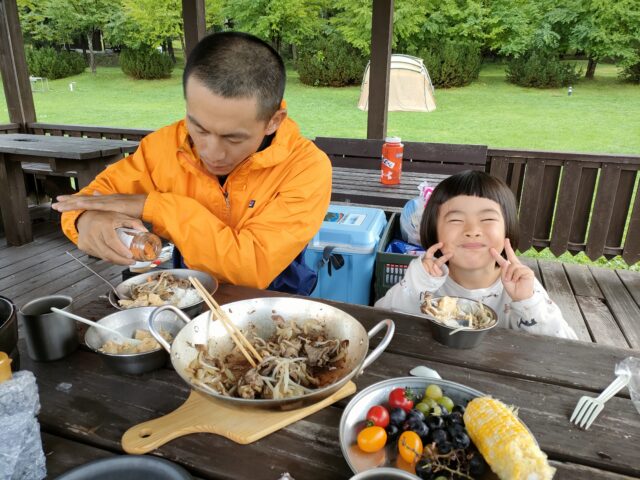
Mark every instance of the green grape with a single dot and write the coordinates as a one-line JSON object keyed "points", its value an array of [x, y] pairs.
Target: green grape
{"points": [[433, 391], [437, 411], [446, 402], [423, 407], [441, 477]]}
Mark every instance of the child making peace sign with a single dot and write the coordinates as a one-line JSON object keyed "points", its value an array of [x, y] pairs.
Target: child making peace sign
{"points": [[467, 228]]}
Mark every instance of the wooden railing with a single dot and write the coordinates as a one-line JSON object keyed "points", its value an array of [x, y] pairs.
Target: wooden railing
{"points": [[9, 128], [87, 131], [567, 201], [574, 201]]}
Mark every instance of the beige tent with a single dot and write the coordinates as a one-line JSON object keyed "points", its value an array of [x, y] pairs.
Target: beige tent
{"points": [[410, 88]]}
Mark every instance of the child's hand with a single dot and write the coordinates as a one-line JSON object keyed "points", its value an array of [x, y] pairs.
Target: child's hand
{"points": [[516, 277], [433, 265]]}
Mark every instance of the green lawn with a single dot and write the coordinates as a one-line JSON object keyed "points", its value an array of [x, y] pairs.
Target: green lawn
{"points": [[601, 116]]}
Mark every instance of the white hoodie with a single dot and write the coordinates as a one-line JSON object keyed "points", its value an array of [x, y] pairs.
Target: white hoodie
{"points": [[537, 314]]}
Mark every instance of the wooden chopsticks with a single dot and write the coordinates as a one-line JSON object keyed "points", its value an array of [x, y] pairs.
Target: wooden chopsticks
{"points": [[216, 311]]}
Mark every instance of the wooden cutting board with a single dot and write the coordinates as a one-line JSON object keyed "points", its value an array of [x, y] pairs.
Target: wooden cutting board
{"points": [[203, 414]]}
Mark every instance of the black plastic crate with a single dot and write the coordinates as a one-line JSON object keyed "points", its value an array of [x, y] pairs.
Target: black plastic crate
{"points": [[390, 267]]}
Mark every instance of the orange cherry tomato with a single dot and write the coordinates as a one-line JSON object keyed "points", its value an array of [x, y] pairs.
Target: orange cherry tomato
{"points": [[410, 446], [372, 439]]}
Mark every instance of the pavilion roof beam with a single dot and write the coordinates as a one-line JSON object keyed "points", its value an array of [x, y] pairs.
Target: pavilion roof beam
{"points": [[195, 27], [381, 35], [13, 66]]}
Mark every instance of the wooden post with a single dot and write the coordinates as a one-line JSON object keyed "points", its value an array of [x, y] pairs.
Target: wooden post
{"points": [[194, 23], [381, 32], [13, 66]]}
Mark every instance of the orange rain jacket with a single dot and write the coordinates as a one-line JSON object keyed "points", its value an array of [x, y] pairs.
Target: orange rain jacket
{"points": [[276, 201]]}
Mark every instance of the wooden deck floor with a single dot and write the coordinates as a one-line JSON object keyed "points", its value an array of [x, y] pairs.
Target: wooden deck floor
{"points": [[602, 305]]}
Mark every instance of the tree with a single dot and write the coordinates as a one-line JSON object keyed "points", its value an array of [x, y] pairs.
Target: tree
{"points": [[607, 28], [153, 23], [416, 23], [76, 17], [278, 21]]}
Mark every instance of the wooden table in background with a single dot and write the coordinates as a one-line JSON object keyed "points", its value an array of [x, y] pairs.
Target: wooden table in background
{"points": [[86, 157], [361, 186], [86, 408]]}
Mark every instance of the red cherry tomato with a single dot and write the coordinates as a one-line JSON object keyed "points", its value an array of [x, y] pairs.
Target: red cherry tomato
{"points": [[401, 398], [372, 439], [378, 416]]}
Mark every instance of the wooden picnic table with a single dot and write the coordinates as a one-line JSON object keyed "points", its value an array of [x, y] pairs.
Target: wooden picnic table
{"points": [[86, 408], [361, 186], [82, 158]]}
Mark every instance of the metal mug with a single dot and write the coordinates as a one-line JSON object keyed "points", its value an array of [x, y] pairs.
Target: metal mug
{"points": [[49, 335]]}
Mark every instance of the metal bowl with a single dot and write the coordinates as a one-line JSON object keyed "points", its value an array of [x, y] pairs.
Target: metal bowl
{"points": [[127, 467], [463, 338], [354, 418], [384, 473], [126, 322], [124, 288]]}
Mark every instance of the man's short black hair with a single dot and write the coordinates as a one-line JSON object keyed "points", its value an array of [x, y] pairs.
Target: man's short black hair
{"points": [[239, 65]]}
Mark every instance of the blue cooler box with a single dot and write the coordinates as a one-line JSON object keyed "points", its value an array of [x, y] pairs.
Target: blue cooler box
{"points": [[343, 253]]}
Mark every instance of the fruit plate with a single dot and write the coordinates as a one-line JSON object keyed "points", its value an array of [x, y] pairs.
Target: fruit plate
{"points": [[354, 419]]}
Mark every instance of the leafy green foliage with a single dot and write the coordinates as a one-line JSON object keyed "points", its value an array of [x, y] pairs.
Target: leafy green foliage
{"points": [[631, 72], [49, 63], [145, 63], [542, 70], [452, 64], [330, 61], [145, 23], [277, 21]]}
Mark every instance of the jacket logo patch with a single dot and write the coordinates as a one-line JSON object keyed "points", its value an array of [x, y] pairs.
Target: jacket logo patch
{"points": [[252, 203]]}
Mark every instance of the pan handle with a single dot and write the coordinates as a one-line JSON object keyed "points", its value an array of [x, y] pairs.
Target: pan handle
{"points": [[155, 332], [384, 343]]}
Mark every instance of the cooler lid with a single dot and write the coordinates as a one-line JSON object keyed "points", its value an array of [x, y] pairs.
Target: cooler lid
{"points": [[356, 229]]}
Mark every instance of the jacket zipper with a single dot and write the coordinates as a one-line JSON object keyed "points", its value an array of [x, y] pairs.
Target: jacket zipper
{"points": [[226, 199]]}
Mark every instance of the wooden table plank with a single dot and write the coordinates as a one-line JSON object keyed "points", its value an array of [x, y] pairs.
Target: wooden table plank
{"points": [[63, 147], [532, 263], [602, 325], [559, 289], [100, 416], [502, 351], [621, 304], [631, 281], [582, 282], [63, 454]]}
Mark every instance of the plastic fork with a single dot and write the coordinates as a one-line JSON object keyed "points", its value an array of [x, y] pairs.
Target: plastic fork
{"points": [[588, 408]]}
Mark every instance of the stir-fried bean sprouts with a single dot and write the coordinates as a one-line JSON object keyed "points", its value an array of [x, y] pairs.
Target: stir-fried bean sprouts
{"points": [[293, 360], [161, 289]]}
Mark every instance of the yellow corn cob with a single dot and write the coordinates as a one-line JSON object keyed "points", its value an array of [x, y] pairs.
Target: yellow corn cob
{"points": [[504, 442]]}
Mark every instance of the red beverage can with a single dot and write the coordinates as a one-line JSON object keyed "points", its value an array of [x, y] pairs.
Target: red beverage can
{"points": [[391, 165]]}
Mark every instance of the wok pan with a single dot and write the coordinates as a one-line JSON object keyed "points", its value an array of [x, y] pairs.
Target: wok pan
{"points": [[257, 314]]}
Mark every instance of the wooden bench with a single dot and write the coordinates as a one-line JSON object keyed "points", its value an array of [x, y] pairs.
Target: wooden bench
{"points": [[356, 167], [420, 157]]}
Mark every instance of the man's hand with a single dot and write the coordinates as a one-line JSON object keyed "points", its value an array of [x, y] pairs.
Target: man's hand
{"points": [[129, 205], [98, 237], [433, 265], [517, 278]]}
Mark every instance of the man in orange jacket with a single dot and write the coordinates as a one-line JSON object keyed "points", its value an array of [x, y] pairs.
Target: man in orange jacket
{"points": [[234, 185]]}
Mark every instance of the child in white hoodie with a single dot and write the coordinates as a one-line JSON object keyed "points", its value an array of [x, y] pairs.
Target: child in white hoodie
{"points": [[468, 228]]}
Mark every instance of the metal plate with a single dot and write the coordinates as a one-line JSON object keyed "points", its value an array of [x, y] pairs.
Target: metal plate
{"points": [[124, 288], [353, 419]]}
